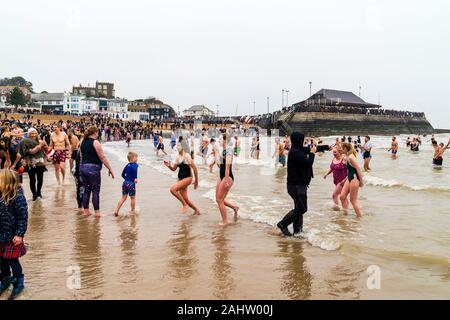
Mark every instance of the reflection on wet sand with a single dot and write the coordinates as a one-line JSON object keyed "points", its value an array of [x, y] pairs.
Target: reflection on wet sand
{"points": [[296, 280], [183, 257], [88, 253], [343, 281], [128, 234], [221, 267]]}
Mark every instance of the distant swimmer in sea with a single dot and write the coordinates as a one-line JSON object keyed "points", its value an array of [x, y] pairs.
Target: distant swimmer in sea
{"points": [[204, 142], [237, 146], [338, 168], [179, 190], [394, 148], [337, 143], [191, 144], [160, 146], [128, 139], [354, 180], [214, 154], [367, 155], [408, 141], [414, 145], [253, 148], [287, 144], [258, 147], [439, 150], [279, 153], [226, 181]]}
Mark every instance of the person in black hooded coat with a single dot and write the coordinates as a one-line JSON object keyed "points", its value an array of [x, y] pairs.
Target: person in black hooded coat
{"points": [[299, 175]]}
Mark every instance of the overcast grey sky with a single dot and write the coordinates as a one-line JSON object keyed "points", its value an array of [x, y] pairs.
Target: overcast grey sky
{"points": [[231, 53]]}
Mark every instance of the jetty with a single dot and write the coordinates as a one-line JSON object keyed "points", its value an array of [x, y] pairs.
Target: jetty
{"points": [[334, 112]]}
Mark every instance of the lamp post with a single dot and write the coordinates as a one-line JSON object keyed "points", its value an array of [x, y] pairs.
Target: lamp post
{"points": [[282, 99], [254, 108], [217, 110], [360, 91], [310, 91], [287, 98]]}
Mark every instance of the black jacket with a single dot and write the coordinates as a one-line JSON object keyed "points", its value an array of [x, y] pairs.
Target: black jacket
{"points": [[299, 166]]}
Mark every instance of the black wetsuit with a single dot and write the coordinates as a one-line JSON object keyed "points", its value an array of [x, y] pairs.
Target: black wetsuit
{"points": [[299, 174], [223, 166], [184, 171]]}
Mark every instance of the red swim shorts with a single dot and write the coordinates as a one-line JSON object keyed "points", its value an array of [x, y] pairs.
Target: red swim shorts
{"points": [[59, 156]]}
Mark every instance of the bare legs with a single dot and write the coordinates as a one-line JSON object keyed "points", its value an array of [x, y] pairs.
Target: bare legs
{"points": [[222, 189], [60, 170], [366, 164], [179, 191], [352, 188], [122, 201], [336, 194]]}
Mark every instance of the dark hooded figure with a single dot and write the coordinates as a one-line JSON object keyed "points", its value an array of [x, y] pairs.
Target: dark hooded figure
{"points": [[299, 174]]}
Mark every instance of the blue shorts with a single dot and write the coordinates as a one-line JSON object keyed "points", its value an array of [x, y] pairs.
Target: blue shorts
{"points": [[128, 189]]}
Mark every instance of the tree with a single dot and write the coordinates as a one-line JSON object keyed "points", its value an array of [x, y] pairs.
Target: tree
{"points": [[17, 82], [17, 98]]}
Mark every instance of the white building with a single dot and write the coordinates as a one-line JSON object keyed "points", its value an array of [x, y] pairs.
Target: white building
{"points": [[116, 108], [198, 112], [90, 105], [52, 101], [79, 105], [138, 116]]}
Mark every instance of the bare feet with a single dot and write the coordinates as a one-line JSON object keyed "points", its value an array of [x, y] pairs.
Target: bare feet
{"points": [[86, 212], [98, 214], [223, 224], [336, 207], [236, 209], [196, 213], [184, 209], [345, 212], [116, 213]]}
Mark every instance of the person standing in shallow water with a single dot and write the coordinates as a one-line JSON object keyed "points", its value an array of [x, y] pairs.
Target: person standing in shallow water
{"points": [[339, 170], [58, 142], [32, 151], [394, 148], [92, 158], [354, 180], [299, 175], [179, 190], [13, 226], [226, 181]]}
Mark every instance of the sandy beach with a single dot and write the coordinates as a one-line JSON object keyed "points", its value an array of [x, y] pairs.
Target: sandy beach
{"points": [[161, 253]]}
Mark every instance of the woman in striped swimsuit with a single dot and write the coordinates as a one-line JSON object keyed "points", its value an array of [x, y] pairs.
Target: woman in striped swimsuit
{"points": [[339, 169]]}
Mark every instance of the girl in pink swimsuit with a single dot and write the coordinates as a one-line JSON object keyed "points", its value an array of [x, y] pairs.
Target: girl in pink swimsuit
{"points": [[339, 169]]}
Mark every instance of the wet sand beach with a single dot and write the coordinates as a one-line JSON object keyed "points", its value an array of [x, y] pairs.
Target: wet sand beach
{"points": [[160, 253]]}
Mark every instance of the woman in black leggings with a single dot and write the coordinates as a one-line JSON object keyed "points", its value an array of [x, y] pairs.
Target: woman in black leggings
{"points": [[32, 150]]}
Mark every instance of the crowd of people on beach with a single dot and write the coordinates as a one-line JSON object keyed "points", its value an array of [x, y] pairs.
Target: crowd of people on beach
{"points": [[357, 110], [29, 146]]}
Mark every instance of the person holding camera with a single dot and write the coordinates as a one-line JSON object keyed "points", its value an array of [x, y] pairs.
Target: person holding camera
{"points": [[299, 175]]}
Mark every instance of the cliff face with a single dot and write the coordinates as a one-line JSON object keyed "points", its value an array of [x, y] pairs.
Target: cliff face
{"points": [[324, 123]]}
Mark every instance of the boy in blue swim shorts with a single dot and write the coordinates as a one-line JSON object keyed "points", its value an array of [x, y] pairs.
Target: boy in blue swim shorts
{"points": [[130, 177]]}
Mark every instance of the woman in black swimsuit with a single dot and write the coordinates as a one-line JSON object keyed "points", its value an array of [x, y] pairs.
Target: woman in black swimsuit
{"points": [[226, 181], [186, 165], [258, 148]]}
